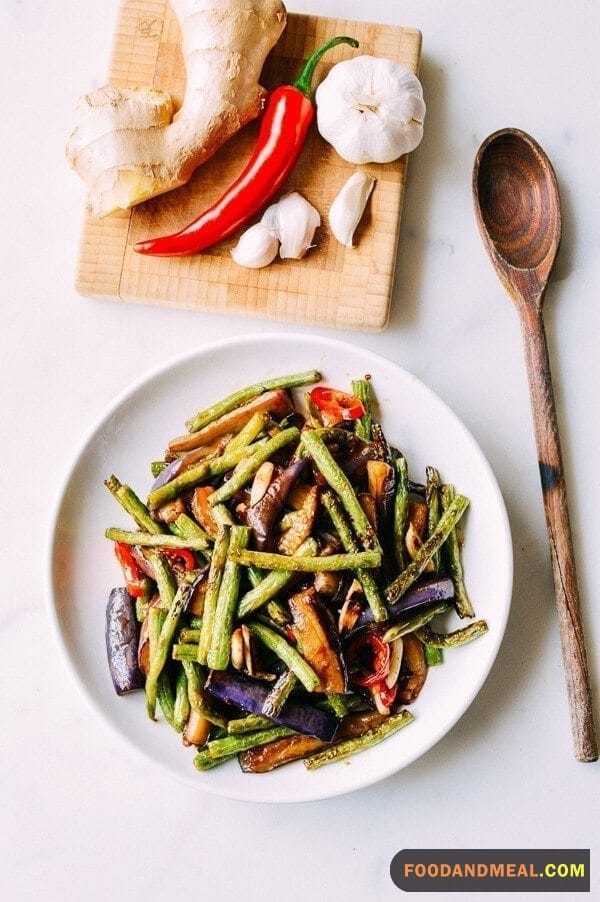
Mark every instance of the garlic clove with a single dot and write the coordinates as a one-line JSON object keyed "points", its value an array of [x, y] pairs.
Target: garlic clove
{"points": [[348, 207], [294, 221], [256, 248]]}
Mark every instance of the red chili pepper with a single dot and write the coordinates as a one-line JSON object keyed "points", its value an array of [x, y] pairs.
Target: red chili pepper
{"points": [[387, 694], [372, 657], [134, 578], [181, 554], [337, 404], [287, 117]]}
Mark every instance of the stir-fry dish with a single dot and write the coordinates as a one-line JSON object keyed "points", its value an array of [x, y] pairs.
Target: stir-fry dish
{"points": [[282, 578]]}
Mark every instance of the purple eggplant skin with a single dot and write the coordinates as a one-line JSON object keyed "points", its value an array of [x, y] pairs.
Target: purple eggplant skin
{"points": [[249, 694], [262, 515], [122, 638], [420, 595]]}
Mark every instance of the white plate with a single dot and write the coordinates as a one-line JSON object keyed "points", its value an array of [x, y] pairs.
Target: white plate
{"points": [[135, 430]]}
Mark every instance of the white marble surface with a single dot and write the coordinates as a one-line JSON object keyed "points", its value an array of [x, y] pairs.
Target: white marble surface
{"points": [[83, 819]]}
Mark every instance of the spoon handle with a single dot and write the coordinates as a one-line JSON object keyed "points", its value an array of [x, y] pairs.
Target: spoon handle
{"points": [[559, 532]]}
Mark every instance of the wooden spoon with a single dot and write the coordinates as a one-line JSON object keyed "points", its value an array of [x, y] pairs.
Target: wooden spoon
{"points": [[517, 206]]}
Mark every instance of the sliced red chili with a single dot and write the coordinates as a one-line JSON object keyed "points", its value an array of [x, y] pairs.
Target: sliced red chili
{"points": [[134, 577], [369, 659], [337, 404], [387, 694], [181, 554]]}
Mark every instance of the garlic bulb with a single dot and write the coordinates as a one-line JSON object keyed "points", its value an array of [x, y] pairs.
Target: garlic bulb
{"points": [[293, 220], [348, 207], [257, 247], [370, 109]]}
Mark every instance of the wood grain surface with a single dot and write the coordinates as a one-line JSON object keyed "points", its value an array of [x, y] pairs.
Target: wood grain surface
{"points": [[332, 286], [517, 207]]}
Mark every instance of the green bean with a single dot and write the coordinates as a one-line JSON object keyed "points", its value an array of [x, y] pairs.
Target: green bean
{"points": [[363, 390], [232, 745], [146, 540], [343, 749], [222, 516], [248, 433], [186, 528], [212, 413], [365, 577], [447, 522], [204, 761], [190, 634], [272, 583], [248, 724], [182, 702], [268, 561], [213, 584], [277, 612], [164, 690], [247, 469], [196, 623], [454, 639], [340, 483], [159, 654], [288, 654], [400, 511], [202, 472], [130, 502], [166, 698], [432, 499], [166, 584], [433, 656], [403, 627], [451, 552], [199, 702], [157, 466], [185, 651], [220, 643], [337, 704], [279, 694]]}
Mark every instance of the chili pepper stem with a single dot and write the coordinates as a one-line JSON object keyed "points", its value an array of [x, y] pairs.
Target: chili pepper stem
{"points": [[304, 81]]}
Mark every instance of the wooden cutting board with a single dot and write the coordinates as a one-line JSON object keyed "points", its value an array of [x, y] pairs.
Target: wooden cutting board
{"points": [[332, 285]]}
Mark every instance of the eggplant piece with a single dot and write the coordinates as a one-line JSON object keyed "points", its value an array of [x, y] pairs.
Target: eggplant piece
{"points": [[264, 758], [250, 694], [202, 510], [414, 670], [320, 645], [275, 402], [422, 593], [122, 641], [143, 653], [382, 483], [197, 729], [302, 524], [262, 516]]}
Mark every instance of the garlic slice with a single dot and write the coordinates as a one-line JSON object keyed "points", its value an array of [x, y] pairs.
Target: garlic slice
{"points": [[348, 207], [294, 221], [256, 248]]}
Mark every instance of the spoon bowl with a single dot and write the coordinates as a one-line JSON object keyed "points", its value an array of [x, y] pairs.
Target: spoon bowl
{"points": [[518, 210]]}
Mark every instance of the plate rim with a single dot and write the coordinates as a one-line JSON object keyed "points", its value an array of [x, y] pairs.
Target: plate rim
{"points": [[112, 407]]}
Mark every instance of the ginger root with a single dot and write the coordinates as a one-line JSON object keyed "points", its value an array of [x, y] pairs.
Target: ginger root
{"points": [[129, 145]]}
